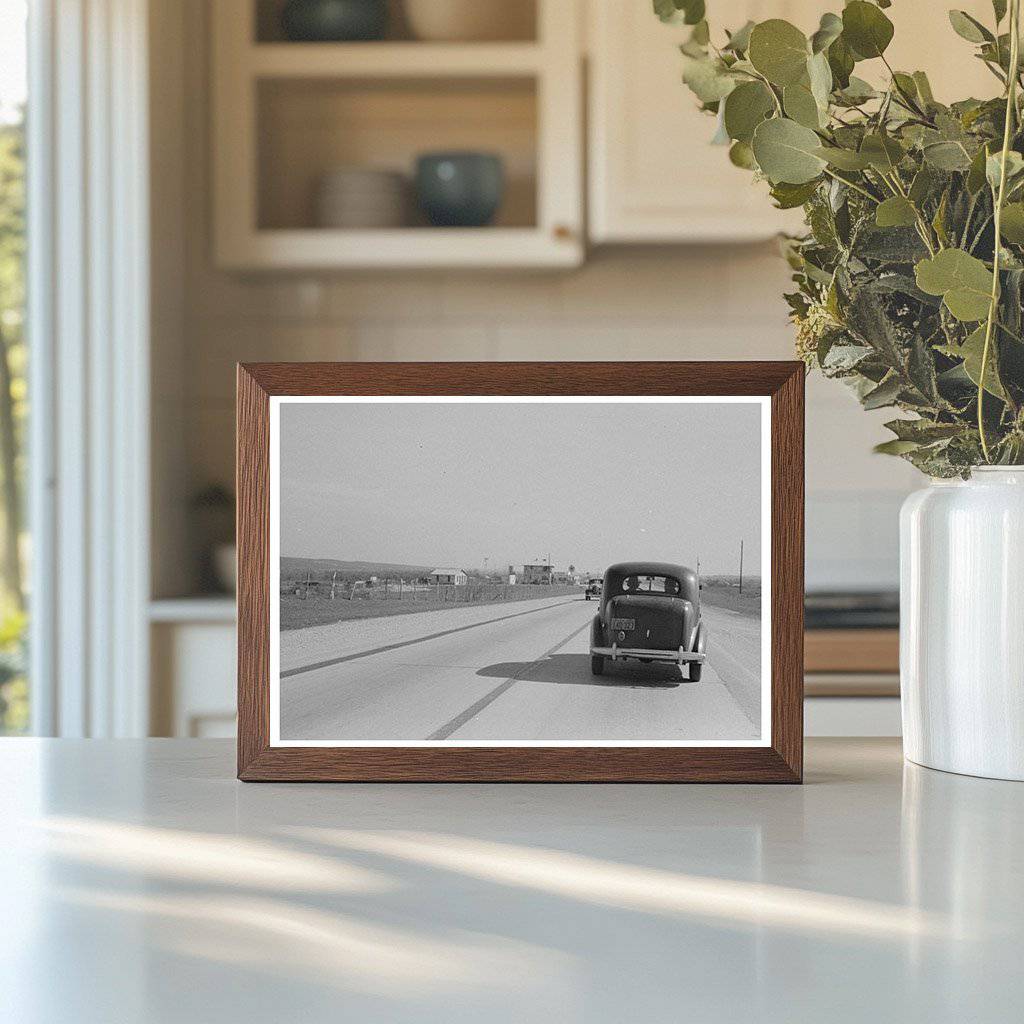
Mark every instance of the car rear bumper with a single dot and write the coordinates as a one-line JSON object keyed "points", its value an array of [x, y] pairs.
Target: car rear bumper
{"points": [[677, 657]]}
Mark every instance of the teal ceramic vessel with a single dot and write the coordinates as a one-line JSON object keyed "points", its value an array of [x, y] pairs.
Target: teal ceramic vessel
{"points": [[334, 21], [460, 189]]}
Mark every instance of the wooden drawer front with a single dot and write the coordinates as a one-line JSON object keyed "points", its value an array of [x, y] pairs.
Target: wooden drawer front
{"points": [[852, 650]]}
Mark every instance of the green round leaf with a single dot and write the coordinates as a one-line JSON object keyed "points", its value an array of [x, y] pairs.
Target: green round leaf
{"points": [[840, 61], [976, 174], [690, 12], [994, 164], [779, 51], [745, 108], [829, 30], [895, 212], [924, 87], [866, 29], [947, 156], [801, 106], [883, 152], [972, 351], [787, 152], [896, 447], [969, 28], [707, 79], [844, 159], [857, 91], [740, 39], [693, 11], [741, 155], [1012, 224], [666, 10], [819, 75], [788, 197], [963, 281]]}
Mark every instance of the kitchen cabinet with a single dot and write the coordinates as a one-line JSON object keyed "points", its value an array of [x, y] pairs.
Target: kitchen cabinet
{"points": [[653, 177], [287, 114], [193, 647]]}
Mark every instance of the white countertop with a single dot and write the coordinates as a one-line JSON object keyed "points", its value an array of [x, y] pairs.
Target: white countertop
{"points": [[140, 882]]}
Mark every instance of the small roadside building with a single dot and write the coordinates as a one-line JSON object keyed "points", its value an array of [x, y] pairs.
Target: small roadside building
{"points": [[450, 577], [536, 574]]}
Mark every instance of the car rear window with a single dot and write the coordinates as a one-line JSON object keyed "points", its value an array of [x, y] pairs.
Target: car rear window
{"points": [[650, 585]]}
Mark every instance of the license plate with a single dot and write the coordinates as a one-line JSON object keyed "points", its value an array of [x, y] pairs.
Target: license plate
{"points": [[623, 624]]}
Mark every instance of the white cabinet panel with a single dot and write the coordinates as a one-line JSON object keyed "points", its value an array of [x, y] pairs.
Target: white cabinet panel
{"points": [[653, 175], [193, 679]]}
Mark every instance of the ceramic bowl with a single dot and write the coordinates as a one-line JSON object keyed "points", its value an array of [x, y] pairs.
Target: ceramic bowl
{"points": [[470, 20], [225, 566], [359, 197], [459, 189], [333, 21]]}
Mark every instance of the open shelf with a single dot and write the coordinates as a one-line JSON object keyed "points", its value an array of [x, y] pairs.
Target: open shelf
{"points": [[388, 60], [309, 127], [409, 248]]}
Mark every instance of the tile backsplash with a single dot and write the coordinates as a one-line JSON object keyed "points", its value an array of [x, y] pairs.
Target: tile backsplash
{"points": [[709, 303]]}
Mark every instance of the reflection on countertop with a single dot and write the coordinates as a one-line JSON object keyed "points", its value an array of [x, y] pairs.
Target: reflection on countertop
{"points": [[146, 884]]}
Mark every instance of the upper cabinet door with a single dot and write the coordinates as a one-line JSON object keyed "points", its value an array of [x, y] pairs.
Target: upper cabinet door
{"points": [[654, 176]]}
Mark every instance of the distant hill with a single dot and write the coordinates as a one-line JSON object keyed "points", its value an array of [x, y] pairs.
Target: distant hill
{"points": [[295, 568]]}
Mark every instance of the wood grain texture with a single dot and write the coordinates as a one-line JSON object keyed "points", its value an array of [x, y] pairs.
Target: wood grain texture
{"points": [[852, 650], [781, 762], [252, 479], [787, 569]]}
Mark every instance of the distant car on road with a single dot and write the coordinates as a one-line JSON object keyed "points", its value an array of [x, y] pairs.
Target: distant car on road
{"points": [[650, 612], [593, 588]]}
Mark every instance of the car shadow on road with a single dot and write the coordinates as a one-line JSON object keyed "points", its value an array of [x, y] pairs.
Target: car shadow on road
{"points": [[575, 669]]}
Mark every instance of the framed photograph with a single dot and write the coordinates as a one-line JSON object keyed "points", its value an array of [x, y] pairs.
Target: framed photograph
{"points": [[578, 572]]}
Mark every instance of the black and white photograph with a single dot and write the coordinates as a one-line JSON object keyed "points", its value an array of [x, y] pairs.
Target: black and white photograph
{"points": [[460, 571]]}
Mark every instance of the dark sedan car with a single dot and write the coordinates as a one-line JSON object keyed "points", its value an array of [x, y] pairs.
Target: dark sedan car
{"points": [[650, 612]]}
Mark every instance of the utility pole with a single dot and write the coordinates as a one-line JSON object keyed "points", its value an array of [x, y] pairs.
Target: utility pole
{"points": [[741, 567]]}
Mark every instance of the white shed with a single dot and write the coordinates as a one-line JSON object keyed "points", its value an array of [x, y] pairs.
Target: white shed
{"points": [[456, 577]]}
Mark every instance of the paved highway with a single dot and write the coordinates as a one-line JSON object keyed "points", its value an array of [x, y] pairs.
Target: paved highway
{"points": [[516, 671]]}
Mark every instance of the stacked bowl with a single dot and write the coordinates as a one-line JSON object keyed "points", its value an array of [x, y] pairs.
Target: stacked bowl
{"points": [[362, 197]]}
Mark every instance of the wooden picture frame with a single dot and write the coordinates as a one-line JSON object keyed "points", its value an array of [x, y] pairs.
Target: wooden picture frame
{"points": [[779, 759]]}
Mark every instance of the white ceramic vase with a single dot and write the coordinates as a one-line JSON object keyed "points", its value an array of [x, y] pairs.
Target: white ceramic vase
{"points": [[962, 624]]}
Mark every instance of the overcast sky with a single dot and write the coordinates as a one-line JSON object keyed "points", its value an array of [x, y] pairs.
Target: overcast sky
{"points": [[452, 484]]}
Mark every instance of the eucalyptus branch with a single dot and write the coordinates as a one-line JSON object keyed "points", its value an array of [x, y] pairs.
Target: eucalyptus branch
{"points": [[996, 71], [909, 100], [993, 309], [897, 153], [853, 185], [771, 90]]}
